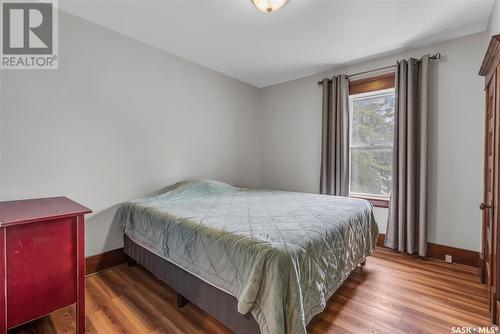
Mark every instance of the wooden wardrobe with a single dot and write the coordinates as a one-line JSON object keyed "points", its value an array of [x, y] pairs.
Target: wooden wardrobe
{"points": [[490, 206]]}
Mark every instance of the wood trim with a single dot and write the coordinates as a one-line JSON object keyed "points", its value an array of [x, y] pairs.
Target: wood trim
{"points": [[437, 251], [460, 255], [491, 59], [384, 81], [376, 202], [116, 257], [380, 240], [485, 181], [498, 313], [105, 260]]}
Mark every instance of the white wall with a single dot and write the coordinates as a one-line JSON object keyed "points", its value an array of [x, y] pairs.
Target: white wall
{"points": [[291, 138], [494, 23], [493, 27], [118, 120]]}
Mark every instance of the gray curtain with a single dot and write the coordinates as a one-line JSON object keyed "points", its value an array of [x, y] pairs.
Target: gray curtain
{"points": [[407, 225], [334, 179]]}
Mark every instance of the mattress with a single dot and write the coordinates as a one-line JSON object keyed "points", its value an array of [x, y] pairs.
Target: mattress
{"points": [[281, 254]]}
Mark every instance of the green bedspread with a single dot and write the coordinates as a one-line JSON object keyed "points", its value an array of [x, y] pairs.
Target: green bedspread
{"points": [[281, 254]]}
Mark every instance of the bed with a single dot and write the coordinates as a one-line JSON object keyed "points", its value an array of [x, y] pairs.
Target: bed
{"points": [[258, 260]]}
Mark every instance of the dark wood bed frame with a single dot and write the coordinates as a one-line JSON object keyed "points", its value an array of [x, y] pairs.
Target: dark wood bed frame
{"points": [[219, 304]]}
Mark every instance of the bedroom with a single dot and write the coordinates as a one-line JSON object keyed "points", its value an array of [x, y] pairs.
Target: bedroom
{"points": [[288, 133]]}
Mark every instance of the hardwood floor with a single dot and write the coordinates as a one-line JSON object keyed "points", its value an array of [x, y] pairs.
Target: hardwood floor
{"points": [[393, 293]]}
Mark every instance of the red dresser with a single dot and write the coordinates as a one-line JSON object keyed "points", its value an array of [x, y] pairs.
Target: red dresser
{"points": [[42, 259]]}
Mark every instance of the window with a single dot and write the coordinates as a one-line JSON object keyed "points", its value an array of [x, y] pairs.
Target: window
{"points": [[372, 132]]}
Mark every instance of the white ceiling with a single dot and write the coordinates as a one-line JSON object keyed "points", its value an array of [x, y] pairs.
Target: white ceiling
{"points": [[305, 37]]}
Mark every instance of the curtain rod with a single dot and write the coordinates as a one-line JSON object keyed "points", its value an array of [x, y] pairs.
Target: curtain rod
{"points": [[436, 56]]}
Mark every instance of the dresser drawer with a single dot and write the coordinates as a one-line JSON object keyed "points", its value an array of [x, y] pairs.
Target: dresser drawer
{"points": [[41, 268]]}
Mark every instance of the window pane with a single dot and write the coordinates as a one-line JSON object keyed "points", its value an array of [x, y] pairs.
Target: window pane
{"points": [[371, 171], [373, 120]]}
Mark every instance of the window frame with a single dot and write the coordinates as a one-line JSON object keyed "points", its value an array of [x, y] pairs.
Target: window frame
{"points": [[368, 88]]}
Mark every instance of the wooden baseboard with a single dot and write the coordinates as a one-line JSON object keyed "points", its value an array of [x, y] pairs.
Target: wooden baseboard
{"points": [[437, 251], [459, 255], [115, 257], [498, 313], [380, 240], [104, 261]]}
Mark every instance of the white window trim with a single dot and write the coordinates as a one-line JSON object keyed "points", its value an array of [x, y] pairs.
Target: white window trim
{"points": [[357, 97]]}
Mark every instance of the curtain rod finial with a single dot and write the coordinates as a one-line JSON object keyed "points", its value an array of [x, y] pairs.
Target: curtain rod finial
{"points": [[320, 82], [436, 56]]}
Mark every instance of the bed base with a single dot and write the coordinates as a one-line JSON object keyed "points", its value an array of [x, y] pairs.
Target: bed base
{"points": [[222, 306]]}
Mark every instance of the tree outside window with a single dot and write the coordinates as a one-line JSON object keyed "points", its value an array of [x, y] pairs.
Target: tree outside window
{"points": [[372, 132]]}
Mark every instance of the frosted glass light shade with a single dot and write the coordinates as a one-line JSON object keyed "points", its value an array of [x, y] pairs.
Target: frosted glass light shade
{"points": [[269, 6]]}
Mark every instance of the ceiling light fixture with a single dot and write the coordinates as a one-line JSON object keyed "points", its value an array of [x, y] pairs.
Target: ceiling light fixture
{"points": [[269, 6]]}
